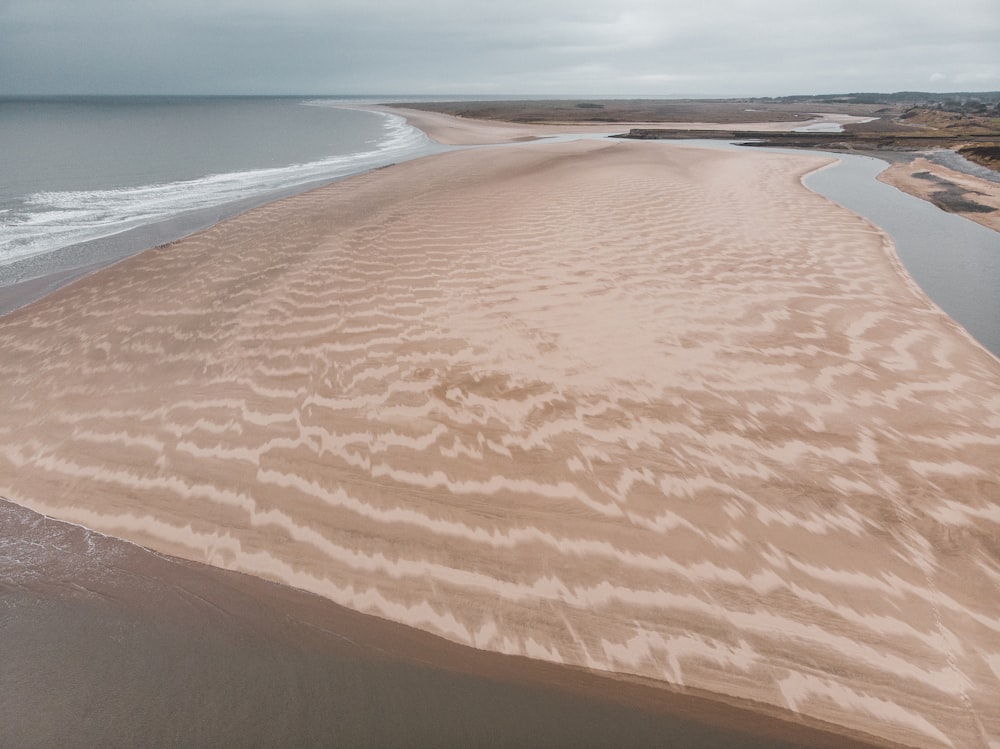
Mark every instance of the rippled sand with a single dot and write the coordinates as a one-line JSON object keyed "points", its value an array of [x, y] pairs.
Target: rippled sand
{"points": [[643, 408]]}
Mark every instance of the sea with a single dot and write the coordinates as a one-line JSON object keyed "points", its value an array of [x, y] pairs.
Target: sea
{"points": [[75, 171]]}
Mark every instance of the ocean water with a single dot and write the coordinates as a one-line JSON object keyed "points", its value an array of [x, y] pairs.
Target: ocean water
{"points": [[74, 170]]}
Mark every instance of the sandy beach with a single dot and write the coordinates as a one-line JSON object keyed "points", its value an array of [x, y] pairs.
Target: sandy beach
{"points": [[651, 411]]}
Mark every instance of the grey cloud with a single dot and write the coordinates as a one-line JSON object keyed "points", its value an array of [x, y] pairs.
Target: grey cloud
{"points": [[520, 46]]}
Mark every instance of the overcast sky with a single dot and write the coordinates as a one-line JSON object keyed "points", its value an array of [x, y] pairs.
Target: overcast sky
{"points": [[590, 47]]}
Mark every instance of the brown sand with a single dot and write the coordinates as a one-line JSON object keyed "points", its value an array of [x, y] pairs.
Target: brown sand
{"points": [[104, 643], [948, 189], [643, 409]]}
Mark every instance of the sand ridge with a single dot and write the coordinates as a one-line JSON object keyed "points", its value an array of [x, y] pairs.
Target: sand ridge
{"points": [[652, 410]]}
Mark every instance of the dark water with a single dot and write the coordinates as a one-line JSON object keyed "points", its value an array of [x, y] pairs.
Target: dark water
{"points": [[955, 261]]}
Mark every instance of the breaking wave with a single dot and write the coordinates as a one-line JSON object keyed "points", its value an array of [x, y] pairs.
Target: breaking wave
{"points": [[48, 221]]}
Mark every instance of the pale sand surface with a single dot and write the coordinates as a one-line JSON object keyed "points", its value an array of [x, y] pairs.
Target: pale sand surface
{"points": [[651, 410], [459, 131], [942, 178]]}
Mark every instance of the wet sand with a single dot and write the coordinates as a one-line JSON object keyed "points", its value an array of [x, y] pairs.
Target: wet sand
{"points": [[105, 643], [972, 197], [655, 412]]}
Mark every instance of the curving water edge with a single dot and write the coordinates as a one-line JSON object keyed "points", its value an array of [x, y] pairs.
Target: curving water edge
{"points": [[63, 230], [955, 261]]}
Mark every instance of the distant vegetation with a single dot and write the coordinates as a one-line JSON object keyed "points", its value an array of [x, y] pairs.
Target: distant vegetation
{"points": [[946, 120], [957, 99], [906, 120], [987, 155], [615, 110], [902, 105]]}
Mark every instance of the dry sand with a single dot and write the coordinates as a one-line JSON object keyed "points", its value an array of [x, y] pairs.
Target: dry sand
{"points": [[645, 409]]}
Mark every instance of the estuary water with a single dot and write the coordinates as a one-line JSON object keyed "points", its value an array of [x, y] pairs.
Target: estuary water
{"points": [[954, 260]]}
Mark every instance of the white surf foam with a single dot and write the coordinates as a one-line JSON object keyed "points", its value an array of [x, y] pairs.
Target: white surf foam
{"points": [[48, 221]]}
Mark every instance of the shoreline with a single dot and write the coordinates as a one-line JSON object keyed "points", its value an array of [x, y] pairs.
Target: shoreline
{"points": [[224, 631], [954, 191], [533, 313], [28, 278]]}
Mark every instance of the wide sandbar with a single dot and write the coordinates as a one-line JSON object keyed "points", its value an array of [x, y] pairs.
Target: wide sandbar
{"points": [[652, 411]]}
